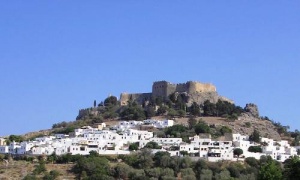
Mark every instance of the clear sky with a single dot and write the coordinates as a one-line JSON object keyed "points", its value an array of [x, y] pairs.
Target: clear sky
{"points": [[59, 56]]}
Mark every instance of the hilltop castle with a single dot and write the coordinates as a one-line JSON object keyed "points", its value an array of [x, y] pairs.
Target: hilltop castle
{"points": [[196, 91], [164, 88]]}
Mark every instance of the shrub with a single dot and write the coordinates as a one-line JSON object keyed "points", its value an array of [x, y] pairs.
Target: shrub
{"points": [[133, 147], [248, 124], [152, 145], [40, 168], [251, 161], [255, 149], [202, 127]]}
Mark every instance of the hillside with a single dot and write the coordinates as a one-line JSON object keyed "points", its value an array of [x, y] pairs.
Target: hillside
{"points": [[216, 117], [179, 102], [19, 169], [244, 125]]}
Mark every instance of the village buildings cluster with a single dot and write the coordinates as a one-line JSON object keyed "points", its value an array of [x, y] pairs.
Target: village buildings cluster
{"points": [[116, 140]]}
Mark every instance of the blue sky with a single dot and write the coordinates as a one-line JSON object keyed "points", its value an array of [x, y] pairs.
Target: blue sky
{"points": [[59, 56]]}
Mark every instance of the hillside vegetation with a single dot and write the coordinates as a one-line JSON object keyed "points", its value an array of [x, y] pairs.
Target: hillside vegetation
{"points": [[147, 166]]}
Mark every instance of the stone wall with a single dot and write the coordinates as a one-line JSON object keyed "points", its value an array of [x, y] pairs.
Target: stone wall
{"points": [[182, 87], [198, 92], [85, 112], [164, 88], [200, 87], [138, 97]]}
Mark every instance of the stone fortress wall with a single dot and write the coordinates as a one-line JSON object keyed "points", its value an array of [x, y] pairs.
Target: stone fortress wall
{"points": [[164, 88], [200, 87], [138, 97]]}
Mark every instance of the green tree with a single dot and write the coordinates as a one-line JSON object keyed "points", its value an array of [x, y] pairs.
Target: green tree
{"points": [[174, 164], [185, 162], [250, 176], [133, 112], [162, 110], [202, 127], [15, 138], [238, 152], [255, 149], [137, 174], [181, 113], [133, 146], [209, 109], [153, 172], [206, 174], [150, 112], [255, 136], [111, 101], [152, 145], [181, 100], [195, 109], [93, 166], [223, 175], [93, 154], [172, 113], [159, 100], [192, 121], [225, 129], [184, 153], [292, 168], [145, 159], [52, 158], [161, 158], [122, 171], [235, 169], [199, 165], [175, 130], [59, 125], [131, 159], [99, 119], [164, 161], [251, 161], [167, 172], [270, 171], [188, 174]]}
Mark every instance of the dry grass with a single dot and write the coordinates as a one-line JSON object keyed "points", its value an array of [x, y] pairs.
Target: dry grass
{"points": [[19, 169]]}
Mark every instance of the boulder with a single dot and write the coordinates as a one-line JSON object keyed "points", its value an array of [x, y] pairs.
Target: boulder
{"points": [[252, 109]]}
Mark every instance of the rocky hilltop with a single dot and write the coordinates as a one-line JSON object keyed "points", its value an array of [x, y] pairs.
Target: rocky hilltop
{"points": [[181, 101], [245, 124], [250, 120]]}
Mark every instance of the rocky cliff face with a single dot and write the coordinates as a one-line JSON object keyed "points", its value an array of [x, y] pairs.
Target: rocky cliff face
{"points": [[200, 98], [252, 110], [247, 122], [251, 120]]}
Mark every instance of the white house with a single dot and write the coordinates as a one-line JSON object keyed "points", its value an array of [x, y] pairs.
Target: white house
{"points": [[4, 150]]}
